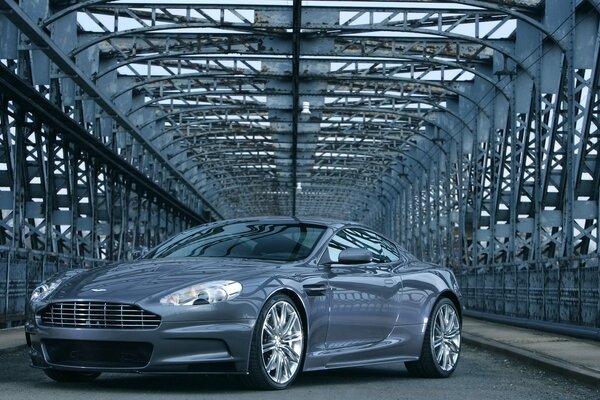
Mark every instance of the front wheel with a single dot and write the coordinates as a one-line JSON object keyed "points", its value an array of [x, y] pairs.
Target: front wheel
{"points": [[70, 376], [441, 343], [277, 348]]}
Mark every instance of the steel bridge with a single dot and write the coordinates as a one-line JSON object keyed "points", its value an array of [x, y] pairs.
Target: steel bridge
{"points": [[467, 130]]}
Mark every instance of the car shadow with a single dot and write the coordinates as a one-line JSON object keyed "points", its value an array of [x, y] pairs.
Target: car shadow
{"points": [[352, 376], [178, 383]]}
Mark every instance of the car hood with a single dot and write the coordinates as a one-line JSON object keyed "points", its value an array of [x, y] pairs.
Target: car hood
{"points": [[135, 281]]}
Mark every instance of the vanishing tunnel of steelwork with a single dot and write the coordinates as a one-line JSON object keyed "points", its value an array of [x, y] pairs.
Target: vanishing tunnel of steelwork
{"points": [[466, 130]]}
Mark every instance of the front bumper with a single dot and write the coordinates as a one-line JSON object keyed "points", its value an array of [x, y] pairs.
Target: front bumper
{"points": [[207, 347]]}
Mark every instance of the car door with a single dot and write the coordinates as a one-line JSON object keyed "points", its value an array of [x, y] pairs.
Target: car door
{"points": [[364, 298]]}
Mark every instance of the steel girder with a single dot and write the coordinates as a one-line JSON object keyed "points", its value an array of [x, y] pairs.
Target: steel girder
{"points": [[220, 68], [466, 129]]}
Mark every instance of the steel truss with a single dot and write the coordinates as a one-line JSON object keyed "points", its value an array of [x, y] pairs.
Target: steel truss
{"points": [[467, 130]]}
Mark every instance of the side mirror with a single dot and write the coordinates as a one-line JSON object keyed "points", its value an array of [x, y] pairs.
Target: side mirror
{"points": [[355, 256]]}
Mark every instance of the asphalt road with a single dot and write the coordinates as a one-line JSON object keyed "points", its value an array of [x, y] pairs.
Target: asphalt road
{"points": [[480, 375]]}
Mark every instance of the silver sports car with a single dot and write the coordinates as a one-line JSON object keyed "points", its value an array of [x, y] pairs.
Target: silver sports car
{"points": [[264, 297]]}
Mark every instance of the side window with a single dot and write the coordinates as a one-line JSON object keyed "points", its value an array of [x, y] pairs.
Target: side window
{"points": [[383, 250], [389, 250], [404, 254], [341, 241]]}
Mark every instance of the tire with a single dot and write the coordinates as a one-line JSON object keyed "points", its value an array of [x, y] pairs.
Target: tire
{"points": [[441, 343], [277, 348], [70, 376]]}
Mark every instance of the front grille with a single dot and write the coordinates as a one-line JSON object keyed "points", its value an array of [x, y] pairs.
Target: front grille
{"points": [[99, 354], [98, 315]]}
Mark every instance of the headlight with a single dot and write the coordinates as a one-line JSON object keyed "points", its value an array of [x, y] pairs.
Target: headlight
{"points": [[48, 286], [204, 293]]}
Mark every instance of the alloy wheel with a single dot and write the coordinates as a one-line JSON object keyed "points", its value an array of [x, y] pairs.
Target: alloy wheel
{"points": [[445, 337], [282, 342]]}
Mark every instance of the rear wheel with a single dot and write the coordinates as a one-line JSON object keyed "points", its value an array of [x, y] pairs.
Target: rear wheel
{"points": [[70, 376], [441, 344], [277, 348]]}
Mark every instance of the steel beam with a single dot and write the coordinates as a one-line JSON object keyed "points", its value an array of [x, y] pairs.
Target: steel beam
{"points": [[32, 101], [41, 39]]}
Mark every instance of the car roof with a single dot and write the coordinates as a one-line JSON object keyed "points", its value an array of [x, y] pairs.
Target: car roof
{"points": [[333, 223]]}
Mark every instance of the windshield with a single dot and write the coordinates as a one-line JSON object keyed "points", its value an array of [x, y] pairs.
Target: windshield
{"points": [[255, 240]]}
